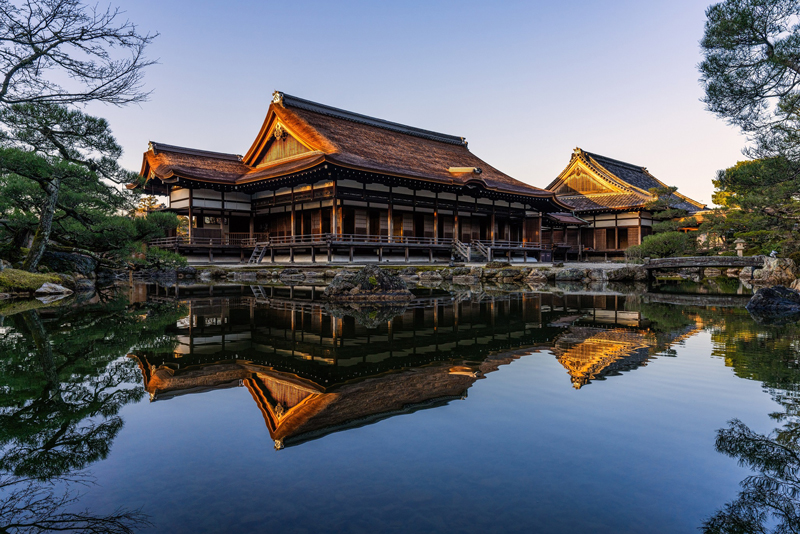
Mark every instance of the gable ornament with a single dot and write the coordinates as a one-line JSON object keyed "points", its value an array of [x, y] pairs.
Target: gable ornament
{"points": [[277, 98], [279, 132]]}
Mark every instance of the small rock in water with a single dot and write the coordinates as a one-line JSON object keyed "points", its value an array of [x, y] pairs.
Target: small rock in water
{"points": [[52, 289]]}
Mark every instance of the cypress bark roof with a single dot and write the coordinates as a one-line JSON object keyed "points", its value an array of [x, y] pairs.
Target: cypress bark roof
{"points": [[626, 186], [342, 138]]}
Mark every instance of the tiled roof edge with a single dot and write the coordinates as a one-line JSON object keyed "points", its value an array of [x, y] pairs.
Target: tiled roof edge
{"points": [[618, 162], [300, 103], [162, 147]]}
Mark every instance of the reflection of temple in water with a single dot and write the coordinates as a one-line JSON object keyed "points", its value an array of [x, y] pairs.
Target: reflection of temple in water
{"points": [[312, 371]]}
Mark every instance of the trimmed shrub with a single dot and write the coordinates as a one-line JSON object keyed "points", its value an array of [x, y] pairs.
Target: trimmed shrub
{"points": [[667, 245]]}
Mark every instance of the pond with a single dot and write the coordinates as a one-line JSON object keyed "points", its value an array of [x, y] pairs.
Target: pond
{"points": [[245, 408]]}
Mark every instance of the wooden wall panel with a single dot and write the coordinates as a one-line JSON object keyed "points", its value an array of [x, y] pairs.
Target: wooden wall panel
{"points": [[428, 226], [361, 221], [600, 239], [408, 224], [285, 148]]}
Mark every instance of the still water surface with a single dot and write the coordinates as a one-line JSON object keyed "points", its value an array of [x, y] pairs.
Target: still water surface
{"points": [[236, 409]]}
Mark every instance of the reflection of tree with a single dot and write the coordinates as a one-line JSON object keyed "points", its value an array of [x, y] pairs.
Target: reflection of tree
{"points": [[770, 496], [769, 500], [64, 380], [28, 505]]}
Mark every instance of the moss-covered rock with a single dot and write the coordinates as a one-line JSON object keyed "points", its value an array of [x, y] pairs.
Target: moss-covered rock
{"points": [[17, 281]]}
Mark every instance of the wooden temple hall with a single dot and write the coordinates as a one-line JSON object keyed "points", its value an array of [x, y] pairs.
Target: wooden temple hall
{"points": [[612, 197], [319, 180]]}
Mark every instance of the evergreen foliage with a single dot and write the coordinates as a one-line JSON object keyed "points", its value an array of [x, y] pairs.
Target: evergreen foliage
{"points": [[59, 165], [760, 204], [751, 71]]}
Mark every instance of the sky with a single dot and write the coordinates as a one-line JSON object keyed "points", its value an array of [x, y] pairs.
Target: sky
{"points": [[524, 82]]}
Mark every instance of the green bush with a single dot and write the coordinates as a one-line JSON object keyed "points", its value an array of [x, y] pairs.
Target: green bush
{"points": [[795, 257], [157, 258], [667, 245], [634, 254]]}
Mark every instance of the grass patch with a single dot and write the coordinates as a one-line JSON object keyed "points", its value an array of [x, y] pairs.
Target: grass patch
{"points": [[16, 281]]}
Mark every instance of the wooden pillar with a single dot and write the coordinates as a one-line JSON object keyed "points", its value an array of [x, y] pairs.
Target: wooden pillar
{"points": [[222, 232], [351, 254], [293, 214], [191, 214], [390, 226], [456, 229], [492, 223], [640, 228], [436, 218], [524, 229], [313, 255], [252, 225], [616, 232]]}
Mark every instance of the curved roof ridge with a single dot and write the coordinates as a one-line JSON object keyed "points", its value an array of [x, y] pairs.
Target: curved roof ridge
{"points": [[163, 147], [616, 161], [315, 107]]}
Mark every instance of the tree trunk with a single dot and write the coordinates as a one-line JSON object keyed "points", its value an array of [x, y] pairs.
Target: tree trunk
{"points": [[45, 226]]}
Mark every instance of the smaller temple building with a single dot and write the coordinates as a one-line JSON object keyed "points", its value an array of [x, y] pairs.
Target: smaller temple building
{"points": [[612, 196]]}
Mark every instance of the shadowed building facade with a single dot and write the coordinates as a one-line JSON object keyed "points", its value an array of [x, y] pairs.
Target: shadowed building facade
{"points": [[611, 196], [321, 179]]}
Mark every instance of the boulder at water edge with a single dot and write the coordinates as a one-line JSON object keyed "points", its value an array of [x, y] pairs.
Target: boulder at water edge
{"points": [[775, 305], [370, 284], [776, 271]]}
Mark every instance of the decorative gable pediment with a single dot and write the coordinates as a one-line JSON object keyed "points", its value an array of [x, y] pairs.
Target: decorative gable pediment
{"points": [[281, 145], [580, 181]]}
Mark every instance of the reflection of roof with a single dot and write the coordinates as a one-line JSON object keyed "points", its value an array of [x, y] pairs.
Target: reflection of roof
{"points": [[591, 353], [617, 185], [319, 133], [296, 410]]}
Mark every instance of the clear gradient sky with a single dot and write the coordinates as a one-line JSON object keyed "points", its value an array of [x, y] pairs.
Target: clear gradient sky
{"points": [[524, 82]]}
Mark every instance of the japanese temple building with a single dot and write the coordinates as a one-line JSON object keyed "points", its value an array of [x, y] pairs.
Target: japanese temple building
{"points": [[318, 179], [611, 196]]}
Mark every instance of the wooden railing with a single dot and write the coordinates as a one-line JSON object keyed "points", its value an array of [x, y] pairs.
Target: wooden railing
{"points": [[462, 250], [535, 245], [244, 239], [392, 240], [481, 249], [241, 239], [355, 239]]}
